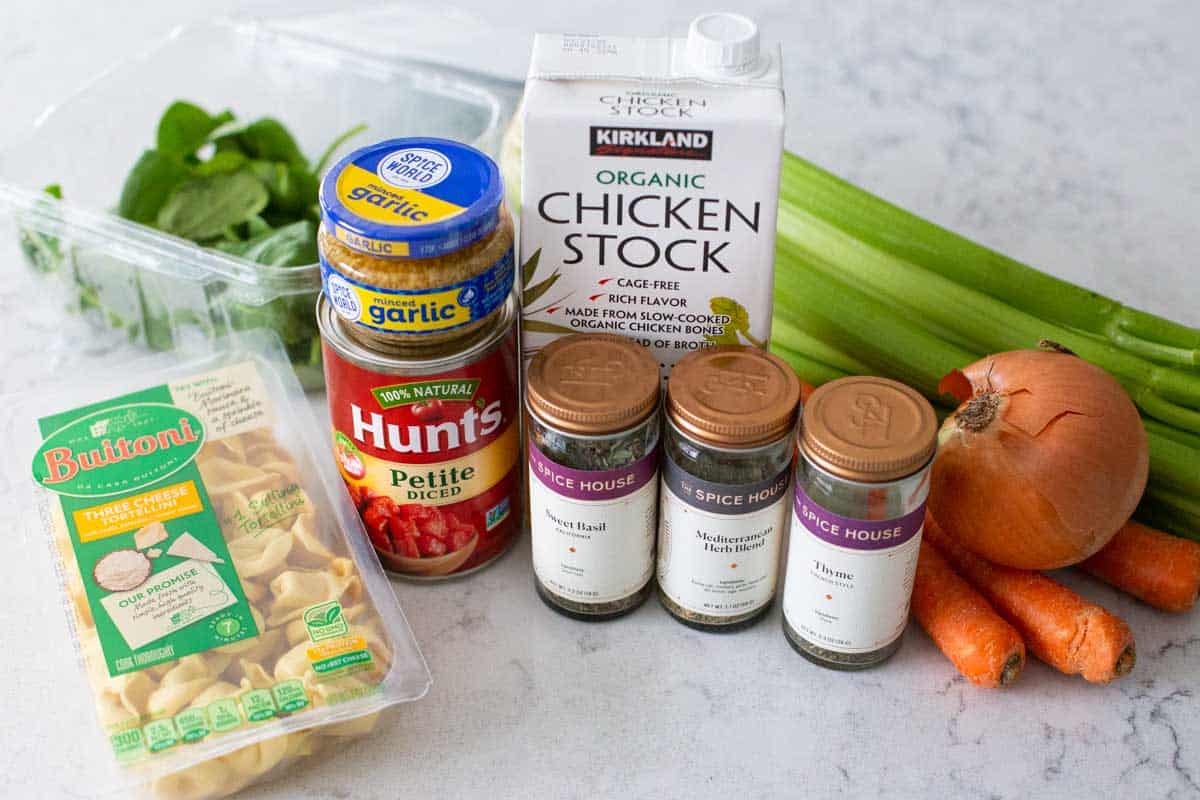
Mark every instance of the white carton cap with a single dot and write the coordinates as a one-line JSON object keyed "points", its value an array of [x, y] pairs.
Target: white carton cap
{"points": [[723, 44]]}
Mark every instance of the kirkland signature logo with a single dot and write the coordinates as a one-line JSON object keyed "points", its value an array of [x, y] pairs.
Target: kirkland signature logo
{"points": [[651, 143]]}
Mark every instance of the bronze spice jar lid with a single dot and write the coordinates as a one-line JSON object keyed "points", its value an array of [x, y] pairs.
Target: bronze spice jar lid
{"points": [[868, 429], [592, 384], [733, 396]]}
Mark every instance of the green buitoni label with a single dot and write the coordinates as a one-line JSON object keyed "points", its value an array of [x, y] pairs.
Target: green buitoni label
{"points": [[155, 566]]}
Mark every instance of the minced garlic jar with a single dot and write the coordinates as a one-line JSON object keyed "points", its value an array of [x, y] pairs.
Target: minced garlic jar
{"points": [[415, 244]]}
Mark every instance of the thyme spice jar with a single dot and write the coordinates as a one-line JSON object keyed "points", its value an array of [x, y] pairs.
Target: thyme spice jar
{"points": [[592, 402], [730, 414], [861, 481]]}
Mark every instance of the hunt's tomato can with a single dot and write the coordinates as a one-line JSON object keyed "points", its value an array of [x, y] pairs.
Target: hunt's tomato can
{"points": [[427, 440]]}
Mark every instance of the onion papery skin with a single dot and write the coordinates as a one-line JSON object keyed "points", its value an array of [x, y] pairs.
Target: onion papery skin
{"points": [[1045, 462]]}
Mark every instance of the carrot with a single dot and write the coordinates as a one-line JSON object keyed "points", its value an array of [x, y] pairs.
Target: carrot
{"points": [[982, 646], [1155, 567], [1059, 627]]}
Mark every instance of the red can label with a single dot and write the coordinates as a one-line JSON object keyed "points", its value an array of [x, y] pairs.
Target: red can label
{"points": [[431, 460]]}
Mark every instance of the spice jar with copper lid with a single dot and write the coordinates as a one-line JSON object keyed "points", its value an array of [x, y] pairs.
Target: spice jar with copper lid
{"points": [[592, 403], [862, 477], [727, 461]]}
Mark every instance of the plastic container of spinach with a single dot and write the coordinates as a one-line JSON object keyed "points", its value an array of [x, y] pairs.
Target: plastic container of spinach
{"points": [[150, 281]]}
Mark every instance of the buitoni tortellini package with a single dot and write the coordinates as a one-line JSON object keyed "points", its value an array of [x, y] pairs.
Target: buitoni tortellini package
{"points": [[228, 612]]}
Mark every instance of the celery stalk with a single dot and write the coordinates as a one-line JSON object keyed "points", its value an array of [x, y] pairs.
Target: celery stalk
{"points": [[1172, 395], [1171, 512], [1166, 431], [794, 340], [877, 334], [1173, 465], [907, 236], [807, 369], [889, 341]]}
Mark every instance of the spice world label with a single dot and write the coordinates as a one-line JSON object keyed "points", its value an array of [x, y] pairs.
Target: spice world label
{"points": [[592, 485], [856, 534]]}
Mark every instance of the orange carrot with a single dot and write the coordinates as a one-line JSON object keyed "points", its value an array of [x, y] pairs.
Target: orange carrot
{"points": [[1155, 567], [1059, 627], [983, 647]]}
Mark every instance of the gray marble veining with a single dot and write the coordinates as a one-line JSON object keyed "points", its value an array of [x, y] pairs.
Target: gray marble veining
{"points": [[1063, 133]]}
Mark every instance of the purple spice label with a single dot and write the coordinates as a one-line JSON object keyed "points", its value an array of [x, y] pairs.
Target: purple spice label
{"points": [[724, 498], [856, 534], [591, 485]]}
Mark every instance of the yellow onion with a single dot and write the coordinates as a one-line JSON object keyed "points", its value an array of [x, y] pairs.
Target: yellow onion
{"points": [[1043, 463]]}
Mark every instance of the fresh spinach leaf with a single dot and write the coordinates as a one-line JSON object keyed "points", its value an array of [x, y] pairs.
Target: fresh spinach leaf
{"points": [[42, 251], [290, 246], [266, 139], [224, 161], [292, 188], [325, 158], [256, 226], [202, 207], [151, 181], [184, 127]]}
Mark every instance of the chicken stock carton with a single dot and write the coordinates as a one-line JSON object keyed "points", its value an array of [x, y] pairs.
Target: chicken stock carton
{"points": [[650, 183]]}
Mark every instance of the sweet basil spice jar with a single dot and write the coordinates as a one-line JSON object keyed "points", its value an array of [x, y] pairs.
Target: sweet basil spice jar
{"points": [[865, 445], [727, 462], [592, 404]]}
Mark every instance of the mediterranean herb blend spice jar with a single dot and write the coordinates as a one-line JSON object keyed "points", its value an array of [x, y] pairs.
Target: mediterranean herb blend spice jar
{"points": [[415, 241], [730, 413], [593, 428], [861, 482], [427, 440]]}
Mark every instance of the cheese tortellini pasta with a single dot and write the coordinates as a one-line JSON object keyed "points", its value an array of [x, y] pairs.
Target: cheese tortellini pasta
{"points": [[288, 559]]}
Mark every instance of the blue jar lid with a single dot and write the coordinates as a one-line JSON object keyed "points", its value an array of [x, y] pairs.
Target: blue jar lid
{"points": [[412, 198]]}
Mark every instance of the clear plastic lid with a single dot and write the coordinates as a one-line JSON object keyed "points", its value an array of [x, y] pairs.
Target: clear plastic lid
{"points": [[319, 76]]}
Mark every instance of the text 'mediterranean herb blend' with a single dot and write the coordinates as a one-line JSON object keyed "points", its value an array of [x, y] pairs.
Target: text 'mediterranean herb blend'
{"points": [[727, 467], [650, 187]]}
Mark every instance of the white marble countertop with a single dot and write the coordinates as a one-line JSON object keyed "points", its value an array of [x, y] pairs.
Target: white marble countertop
{"points": [[1063, 133]]}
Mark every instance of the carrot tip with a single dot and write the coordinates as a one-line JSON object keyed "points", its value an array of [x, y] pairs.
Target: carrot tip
{"points": [[1012, 669], [1125, 661]]}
